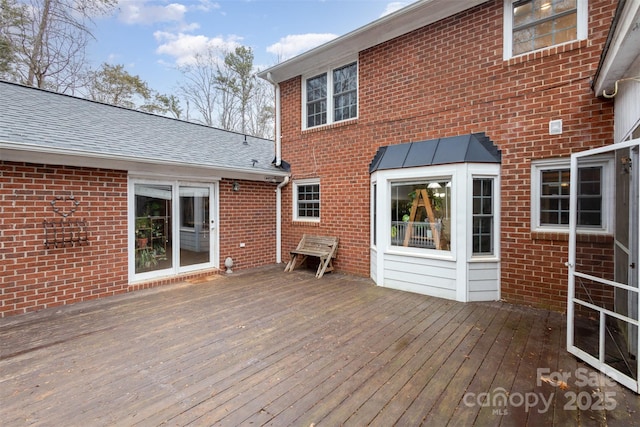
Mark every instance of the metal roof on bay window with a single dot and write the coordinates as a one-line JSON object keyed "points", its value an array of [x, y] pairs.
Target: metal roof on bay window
{"points": [[471, 148]]}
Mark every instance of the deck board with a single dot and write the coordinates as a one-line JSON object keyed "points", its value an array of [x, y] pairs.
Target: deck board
{"points": [[263, 347]]}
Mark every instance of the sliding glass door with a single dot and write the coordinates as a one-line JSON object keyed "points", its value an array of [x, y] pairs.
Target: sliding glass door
{"points": [[172, 228]]}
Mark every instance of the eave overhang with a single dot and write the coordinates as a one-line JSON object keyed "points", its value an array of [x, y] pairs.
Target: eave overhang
{"points": [[621, 55], [13, 152]]}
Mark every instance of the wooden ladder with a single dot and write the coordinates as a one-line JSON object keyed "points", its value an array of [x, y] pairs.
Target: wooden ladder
{"points": [[422, 201]]}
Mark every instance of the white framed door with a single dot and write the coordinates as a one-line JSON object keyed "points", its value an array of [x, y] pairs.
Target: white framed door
{"points": [[196, 227], [603, 303], [172, 227]]}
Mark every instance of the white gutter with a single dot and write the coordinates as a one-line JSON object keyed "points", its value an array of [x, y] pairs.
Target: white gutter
{"points": [[17, 152], [278, 143]]}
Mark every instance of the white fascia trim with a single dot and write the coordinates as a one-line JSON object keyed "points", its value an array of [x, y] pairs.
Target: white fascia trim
{"points": [[623, 50], [37, 154]]}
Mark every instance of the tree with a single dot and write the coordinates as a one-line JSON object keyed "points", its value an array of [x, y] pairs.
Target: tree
{"points": [[199, 87], [261, 111], [11, 18], [238, 80], [50, 41], [226, 93], [164, 104], [112, 84]]}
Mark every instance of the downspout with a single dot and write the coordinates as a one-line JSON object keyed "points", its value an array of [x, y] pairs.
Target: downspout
{"points": [[278, 163], [278, 138], [279, 219]]}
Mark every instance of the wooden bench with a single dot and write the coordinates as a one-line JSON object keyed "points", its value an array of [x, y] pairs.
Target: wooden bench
{"points": [[325, 248]]}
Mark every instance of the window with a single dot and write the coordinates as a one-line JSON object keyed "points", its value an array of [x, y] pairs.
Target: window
{"points": [[317, 101], [306, 204], [335, 91], [537, 24], [345, 94], [374, 210], [482, 230], [551, 191], [421, 214]]}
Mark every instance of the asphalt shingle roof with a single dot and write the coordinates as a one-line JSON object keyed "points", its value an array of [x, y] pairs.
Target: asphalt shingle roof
{"points": [[52, 122]]}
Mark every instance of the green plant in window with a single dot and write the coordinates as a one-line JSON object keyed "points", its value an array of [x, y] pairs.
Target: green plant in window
{"points": [[146, 258]]}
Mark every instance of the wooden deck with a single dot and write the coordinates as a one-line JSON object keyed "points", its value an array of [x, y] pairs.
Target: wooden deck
{"points": [[263, 347]]}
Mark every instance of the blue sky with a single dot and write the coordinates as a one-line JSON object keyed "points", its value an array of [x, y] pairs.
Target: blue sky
{"points": [[152, 37]]}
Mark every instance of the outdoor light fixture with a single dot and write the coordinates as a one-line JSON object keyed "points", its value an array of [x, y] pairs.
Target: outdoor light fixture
{"points": [[236, 186]]}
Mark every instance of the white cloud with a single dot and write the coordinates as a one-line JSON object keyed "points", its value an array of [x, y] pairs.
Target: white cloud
{"points": [[139, 12], [184, 47], [206, 5], [292, 45]]}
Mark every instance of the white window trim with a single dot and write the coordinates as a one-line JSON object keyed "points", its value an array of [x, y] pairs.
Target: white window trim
{"points": [[582, 30], [329, 72], [296, 184], [407, 176], [496, 218], [537, 166]]}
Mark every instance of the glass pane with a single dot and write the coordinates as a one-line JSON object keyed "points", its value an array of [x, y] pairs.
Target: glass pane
{"points": [[482, 229], [317, 100], [522, 14], [152, 227], [541, 23], [345, 97], [194, 225], [564, 5], [308, 200], [421, 214]]}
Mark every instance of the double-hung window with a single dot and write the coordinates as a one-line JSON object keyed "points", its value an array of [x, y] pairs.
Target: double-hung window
{"points": [[551, 191], [482, 230], [532, 25], [331, 96], [306, 200]]}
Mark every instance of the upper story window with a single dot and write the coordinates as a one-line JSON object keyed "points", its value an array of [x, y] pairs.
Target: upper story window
{"points": [[551, 191], [331, 96], [532, 25]]}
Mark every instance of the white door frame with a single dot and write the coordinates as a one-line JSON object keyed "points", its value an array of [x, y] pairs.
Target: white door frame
{"points": [[214, 220], [599, 362]]}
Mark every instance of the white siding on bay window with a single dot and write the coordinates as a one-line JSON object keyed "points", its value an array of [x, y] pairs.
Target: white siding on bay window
{"points": [[483, 277], [426, 276]]}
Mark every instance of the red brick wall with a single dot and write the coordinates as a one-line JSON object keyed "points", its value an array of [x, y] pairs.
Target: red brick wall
{"points": [[34, 277], [449, 79], [247, 216]]}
